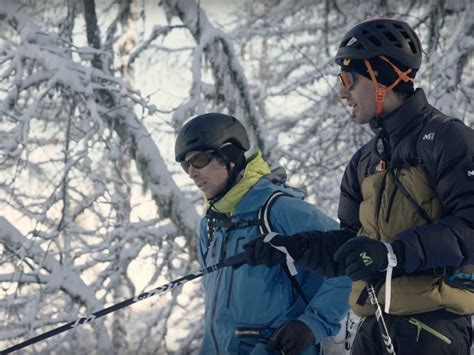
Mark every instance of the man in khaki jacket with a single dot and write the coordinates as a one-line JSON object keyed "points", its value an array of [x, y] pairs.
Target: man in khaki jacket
{"points": [[406, 207]]}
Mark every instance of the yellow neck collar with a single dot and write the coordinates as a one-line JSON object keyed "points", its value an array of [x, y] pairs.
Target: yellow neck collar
{"points": [[254, 170]]}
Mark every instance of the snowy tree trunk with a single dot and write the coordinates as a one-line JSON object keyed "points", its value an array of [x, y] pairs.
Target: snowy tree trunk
{"points": [[170, 201]]}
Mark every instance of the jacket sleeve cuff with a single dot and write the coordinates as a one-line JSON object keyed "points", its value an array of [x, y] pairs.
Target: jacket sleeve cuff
{"points": [[327, 308], [408, 248], [399, 250], [320, 332]]}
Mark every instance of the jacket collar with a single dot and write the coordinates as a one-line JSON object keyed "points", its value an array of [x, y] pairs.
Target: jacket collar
{"points": [[405, 118]]}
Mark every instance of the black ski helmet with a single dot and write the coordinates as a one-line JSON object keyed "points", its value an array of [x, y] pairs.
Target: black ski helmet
{"points": [[210, 131], [388, 37]]}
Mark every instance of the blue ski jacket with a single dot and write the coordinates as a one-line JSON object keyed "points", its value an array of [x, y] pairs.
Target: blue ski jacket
{"points": [[259, 298]]}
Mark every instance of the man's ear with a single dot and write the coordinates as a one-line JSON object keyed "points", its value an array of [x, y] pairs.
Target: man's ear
{"points": [[222, 162]]}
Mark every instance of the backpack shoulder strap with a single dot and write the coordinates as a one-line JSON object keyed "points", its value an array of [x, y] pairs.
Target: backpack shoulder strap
{"points": [[265, 228], [264, 212]]}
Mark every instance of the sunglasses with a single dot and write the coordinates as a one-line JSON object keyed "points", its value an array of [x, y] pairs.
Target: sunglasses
{"points": [[347, 79], [198, 161]]}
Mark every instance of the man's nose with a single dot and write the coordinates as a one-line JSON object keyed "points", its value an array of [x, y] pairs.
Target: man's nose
{"points": [[193, 172]]}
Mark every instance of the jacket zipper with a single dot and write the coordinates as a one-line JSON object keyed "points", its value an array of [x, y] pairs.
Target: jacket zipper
{"points": [[213, 313], [232, 273], [390, 204], [223, 251], [392, 197], [379, 204], [214, 304], [430, 330], [213, 252]]}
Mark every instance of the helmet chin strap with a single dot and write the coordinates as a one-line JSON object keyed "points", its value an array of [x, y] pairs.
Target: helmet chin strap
{"points": [[381, 90], [232, 175]]}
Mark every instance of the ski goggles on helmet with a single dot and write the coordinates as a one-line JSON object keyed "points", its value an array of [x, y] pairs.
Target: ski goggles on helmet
{"points": [[198, 160], [347, 79]]}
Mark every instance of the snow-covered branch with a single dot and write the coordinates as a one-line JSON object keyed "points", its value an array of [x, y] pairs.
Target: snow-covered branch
{"points": [[229, 77]]}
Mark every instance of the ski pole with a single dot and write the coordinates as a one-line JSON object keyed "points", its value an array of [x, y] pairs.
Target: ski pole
{"points": [[231, 261], [380, 320]]}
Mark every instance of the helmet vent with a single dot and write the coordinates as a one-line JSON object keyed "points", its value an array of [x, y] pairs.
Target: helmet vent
{"points": [[412, 46], [375, 41], [404, 34], [390, 36], [381, 27]]}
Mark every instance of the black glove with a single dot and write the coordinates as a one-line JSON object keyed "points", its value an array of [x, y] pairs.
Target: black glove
{"points": [[258, 252], [362, 257], [291, 338]]}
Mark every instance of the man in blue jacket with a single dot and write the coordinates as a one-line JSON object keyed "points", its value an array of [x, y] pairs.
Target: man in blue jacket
{"points": [[254, 310]]}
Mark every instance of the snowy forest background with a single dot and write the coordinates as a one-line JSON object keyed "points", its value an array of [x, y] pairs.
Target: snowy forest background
{"points": [[93, 209]]}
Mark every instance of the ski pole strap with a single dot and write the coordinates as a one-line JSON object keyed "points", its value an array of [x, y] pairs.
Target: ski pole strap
{"points": [[289, 267], [231, 261], [295, 284], [290, 262], [392, 262]]}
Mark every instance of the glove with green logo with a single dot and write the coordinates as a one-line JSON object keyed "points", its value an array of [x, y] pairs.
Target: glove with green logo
{"points": [[362, 258]]}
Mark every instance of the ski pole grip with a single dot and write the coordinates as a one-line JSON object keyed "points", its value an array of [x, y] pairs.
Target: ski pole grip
{"points": [[235, 260]]}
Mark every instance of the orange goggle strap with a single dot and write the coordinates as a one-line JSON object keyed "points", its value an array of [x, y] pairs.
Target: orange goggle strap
{"points": [[381, 90]]}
